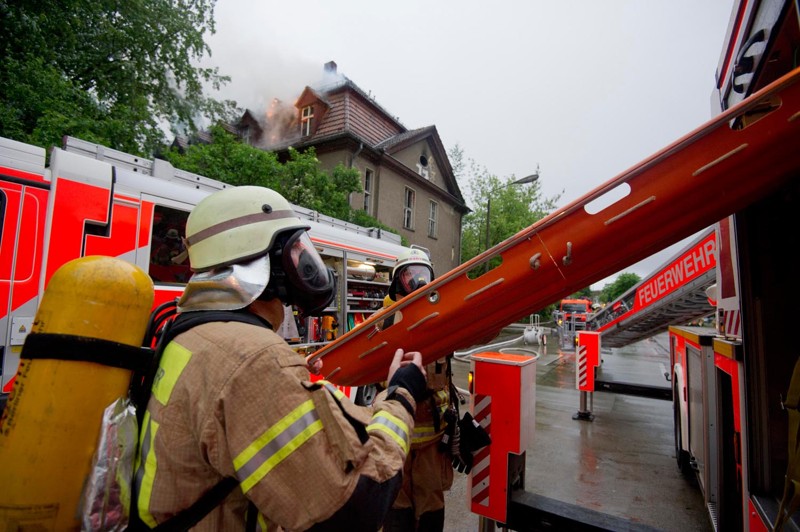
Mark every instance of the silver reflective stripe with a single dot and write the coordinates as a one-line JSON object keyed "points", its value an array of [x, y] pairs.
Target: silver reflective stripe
{"points": [[385, 422], [276, 444]]}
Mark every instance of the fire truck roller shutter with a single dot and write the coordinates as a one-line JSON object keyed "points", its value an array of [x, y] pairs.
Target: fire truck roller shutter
{"points": [[75, 362]]}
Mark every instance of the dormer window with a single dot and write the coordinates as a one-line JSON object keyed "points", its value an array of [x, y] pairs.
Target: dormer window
{"points": [[306, 117], [244, 134], [422, 167]]}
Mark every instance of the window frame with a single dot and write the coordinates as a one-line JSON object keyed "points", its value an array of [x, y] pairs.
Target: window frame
{"points": [[408, 210], [369, 181], [433, 218], [306, 120]]}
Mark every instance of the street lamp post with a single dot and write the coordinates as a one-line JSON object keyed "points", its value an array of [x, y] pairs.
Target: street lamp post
{"points": [[523, 181]]}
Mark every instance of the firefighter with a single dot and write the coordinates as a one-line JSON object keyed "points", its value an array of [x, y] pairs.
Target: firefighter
{"points": [[428, 470], [233, 400]]}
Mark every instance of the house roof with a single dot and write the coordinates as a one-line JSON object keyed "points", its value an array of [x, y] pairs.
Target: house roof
{"points": [[349, 111], [343, 112], [403, 140]]}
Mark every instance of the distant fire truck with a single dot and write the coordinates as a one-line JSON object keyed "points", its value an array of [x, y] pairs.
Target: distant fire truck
{"points": [[571, 317]]}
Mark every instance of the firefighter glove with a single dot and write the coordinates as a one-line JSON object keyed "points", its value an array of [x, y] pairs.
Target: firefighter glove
{"points": [[450, 419], [472, 438], [411, 378]]}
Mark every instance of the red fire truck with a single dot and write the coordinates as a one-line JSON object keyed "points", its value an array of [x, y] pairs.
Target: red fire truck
{"points": [[571, 317], [734, 393], [92, 200], [676, 293]]}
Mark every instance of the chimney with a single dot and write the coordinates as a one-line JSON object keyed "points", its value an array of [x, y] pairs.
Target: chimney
{"points": [[330, 67]]}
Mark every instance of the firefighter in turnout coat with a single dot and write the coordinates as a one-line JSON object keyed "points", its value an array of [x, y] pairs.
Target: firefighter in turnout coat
{"points": [[232, 400], [428, 471]]}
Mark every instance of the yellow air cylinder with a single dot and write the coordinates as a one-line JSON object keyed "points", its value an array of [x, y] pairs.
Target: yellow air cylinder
{"points": [[51, 423]]}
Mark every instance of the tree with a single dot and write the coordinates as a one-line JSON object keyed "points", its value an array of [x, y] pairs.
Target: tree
{"points": [[584, 293], [621, 284], [513, 208], [115, 73]]}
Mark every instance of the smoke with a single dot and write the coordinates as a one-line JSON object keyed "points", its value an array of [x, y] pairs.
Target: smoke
{"points": [[258, 79]]}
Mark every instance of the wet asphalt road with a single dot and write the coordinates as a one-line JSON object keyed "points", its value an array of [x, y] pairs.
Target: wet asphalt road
{"points": [[621, 464]]}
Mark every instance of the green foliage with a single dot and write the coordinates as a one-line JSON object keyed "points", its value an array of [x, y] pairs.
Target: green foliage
{"points": [[511, 208], [110, 72], [621, 284], [301, 180], [585, 293], [228, 160], [359, 217]]}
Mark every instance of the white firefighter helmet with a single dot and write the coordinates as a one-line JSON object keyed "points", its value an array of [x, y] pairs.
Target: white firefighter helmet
{"points": [[237, 224], [238, 240], [413, 270]]}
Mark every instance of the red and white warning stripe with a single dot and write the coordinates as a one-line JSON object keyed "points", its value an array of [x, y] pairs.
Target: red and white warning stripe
{"points": [[581, 373], [480, 468], [732, 320]]}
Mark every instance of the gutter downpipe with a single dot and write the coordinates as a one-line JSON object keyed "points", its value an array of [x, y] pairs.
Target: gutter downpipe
{"points": [[352, 161]]}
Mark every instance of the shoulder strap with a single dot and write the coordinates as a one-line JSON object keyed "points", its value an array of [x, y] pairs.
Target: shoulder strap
{"points": [[184, 322], [202, 506], [172, 327]]}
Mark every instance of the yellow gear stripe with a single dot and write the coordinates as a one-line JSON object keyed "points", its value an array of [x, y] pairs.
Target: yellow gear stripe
{"points": [[261, 523], [395, 427], [337, 393], [277, 443], [172, 364], [424, 433], [146, 465]]}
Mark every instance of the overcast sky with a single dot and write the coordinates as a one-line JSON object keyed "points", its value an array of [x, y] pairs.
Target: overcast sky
{"points": [[583, 88]]}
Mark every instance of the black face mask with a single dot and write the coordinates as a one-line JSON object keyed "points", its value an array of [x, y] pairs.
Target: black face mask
{"points": [[299, 277]]}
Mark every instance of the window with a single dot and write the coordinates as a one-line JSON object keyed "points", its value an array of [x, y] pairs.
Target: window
{"points": [[422, 167], [244, 134], [368, 177], [167, 246], [408, 209], [432, 216], [306, 119]]}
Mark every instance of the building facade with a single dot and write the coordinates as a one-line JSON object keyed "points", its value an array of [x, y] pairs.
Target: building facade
{"points": [[408, 183]]}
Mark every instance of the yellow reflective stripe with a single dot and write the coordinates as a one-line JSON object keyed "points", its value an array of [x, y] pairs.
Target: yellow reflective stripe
{"points": [[172, 364], [146, 469], [277, 443], [261, 521], [423, 433], [337, 393], [395, 427]]}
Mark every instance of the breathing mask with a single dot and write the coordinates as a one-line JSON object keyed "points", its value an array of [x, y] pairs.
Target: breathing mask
{"points": [[299, 276]]}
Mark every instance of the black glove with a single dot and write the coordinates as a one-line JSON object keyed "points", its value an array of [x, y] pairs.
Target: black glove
{"points": [[450, 419], [472, 438], [411, 378]]}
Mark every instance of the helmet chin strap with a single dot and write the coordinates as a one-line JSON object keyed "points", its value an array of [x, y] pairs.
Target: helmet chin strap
{"points": [[277, 286]]}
